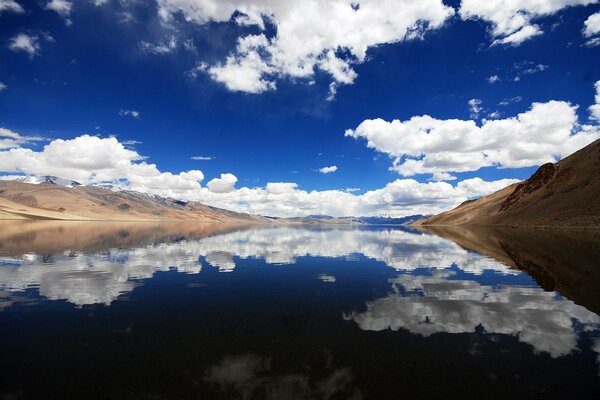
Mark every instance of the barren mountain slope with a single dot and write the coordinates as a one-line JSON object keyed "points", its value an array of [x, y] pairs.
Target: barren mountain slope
{"points": [[565, 194], [48, 201]]}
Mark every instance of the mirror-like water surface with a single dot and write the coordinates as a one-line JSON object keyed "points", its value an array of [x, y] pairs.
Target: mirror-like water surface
{"points": [[178, 311]]}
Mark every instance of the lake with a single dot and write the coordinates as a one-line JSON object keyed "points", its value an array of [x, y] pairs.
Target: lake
{"points": [[189, 311]]}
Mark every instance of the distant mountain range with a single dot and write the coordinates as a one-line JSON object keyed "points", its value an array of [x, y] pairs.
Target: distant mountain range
{"points": [[48, 180], [565, 194], [51, 197]]}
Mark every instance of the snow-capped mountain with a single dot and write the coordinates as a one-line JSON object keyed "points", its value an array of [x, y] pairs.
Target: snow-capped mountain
{"points": [[48, 180]]}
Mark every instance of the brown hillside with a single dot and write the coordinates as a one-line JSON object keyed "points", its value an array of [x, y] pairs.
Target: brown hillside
{"points": [[27, 201], [565, 194]]}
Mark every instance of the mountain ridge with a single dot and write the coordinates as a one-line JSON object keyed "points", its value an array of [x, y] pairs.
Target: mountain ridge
{"points": [[563, 194]]}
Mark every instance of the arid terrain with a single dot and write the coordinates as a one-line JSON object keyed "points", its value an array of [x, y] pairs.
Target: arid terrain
{"points": [[564, 194], [24, 201]]}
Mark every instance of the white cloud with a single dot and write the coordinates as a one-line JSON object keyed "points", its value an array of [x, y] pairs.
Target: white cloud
{"points": [[442, 176], [593, 42], [309, 35], [523, 34], [424, 144], [3, 86], [513, 21], [398, 198], [11, 6], [61, 7], [475, 107], [591, 26], [10, 139], [281, 187], [89, 159], [595, 108], [25, 43], [224, 184], [132, 113], [328, 170], [493, 79], [529, 68], [160, 48], [202, 158]]}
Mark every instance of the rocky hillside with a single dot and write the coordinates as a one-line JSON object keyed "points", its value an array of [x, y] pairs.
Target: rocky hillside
{"points": [[565, 194], [19, 200]]}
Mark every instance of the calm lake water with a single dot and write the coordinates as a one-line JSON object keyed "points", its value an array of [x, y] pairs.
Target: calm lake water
{"points": [[184, 311]]}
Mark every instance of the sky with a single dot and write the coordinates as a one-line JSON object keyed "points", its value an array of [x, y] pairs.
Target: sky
{"points": [[285, 108]]}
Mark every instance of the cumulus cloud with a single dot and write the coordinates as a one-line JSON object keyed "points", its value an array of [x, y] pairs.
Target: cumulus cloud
{"points": [[591, 26], [11, 6], [398, 198], [595, 108], [61, 7], [326, 35], [88, 159], [280, 187], [426, 145], [328, 170], [224, 184], [25, 43], [513, 22], [132, 113]]}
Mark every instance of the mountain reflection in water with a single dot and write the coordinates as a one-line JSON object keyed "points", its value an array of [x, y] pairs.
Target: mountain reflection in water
{"points": [[296, 312]]}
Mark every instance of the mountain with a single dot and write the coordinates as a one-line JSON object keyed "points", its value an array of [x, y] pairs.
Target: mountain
{"points": [[57, 198], [48, 180], [564, 194], [391, 221], [324, 220]]}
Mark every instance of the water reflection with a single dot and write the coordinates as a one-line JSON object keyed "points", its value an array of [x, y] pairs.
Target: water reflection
{"points": [[216, 311], [250, 376], [102, 276], [438, 303]]}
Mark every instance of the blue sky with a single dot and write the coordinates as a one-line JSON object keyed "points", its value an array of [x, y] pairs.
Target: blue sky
{"points": [[156, 76]]}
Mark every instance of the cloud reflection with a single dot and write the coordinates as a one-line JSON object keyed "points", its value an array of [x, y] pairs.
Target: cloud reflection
{"points": [[426, 305], [250, 376], [101, 277]]}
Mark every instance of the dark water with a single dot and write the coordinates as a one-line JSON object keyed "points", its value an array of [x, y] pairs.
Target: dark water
{"points": [[101, 311]]}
